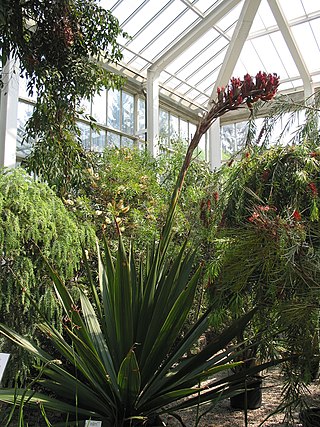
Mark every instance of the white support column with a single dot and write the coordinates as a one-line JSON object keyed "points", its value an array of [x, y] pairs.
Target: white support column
{"points": [[8, 114], [215, 145], [292, 46], [153, 112]]}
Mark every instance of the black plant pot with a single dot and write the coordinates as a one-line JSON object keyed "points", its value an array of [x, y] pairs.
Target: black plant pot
{"points": [[250, 398], [310, 417]]}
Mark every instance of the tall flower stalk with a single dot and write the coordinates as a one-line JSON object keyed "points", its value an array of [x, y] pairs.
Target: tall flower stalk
{"points": [[236, 94]]}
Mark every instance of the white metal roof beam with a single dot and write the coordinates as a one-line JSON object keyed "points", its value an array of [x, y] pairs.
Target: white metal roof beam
{"points": [[239, 37], [193, 35], [193, 8], [292, 46]]}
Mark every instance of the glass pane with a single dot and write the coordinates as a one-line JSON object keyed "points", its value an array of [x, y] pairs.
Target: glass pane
{"points": [[241, 134], [84, 135], [99, 107], [126, 142], [85, 106], [127, 113], [24, 113], [98, 142], [142, 145], [164, 127], [228, 140], [202, 148], [23, 91], [141, 114], [192, 130], [114, 109], [184, 129], [113, 139], [174, 127]]}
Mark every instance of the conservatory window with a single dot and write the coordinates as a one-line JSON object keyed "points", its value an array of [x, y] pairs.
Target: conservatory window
{"points": [[113, 139], [117, 110], [164, 127], [233, 137], [85, 107], [114, 109], [98, 141], [174, 127], [192, 130], [99, 107], [184, 130], [84, 134], [202, 148], [24, 113], [126, 142], [127, 108], [141, 111], [284, 131]]}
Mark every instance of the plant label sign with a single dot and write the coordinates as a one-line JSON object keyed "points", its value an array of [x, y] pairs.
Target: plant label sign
{"points": [[90, 423], [4, 357]]}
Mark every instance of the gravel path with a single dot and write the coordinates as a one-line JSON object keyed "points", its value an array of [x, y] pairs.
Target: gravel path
{"points": [[222, 415]]}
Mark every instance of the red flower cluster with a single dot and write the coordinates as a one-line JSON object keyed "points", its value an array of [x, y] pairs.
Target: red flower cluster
{"points": [[254, 217], [296, 215], [264, 217], [259, 209], [263, 86]]}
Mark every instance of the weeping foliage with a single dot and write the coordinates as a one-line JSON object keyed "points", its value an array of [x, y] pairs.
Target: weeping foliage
{"points": [[32, 218]]}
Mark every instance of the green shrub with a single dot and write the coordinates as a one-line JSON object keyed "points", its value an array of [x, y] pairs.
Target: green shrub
{"points": [[33, 220], [268, 252], [130, 191]]}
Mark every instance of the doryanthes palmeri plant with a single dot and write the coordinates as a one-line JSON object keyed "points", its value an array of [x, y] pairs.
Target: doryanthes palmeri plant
{"points": [[120, 360]]}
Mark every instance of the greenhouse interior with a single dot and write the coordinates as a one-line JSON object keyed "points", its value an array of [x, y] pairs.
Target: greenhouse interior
{"points": [[159, 209]]}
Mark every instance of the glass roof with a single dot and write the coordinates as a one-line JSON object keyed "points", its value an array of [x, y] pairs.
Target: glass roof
{"points": [[281, 36]]}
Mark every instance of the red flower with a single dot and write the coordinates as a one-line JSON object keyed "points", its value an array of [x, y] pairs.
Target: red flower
{"points": [[296, 215], [216, 196], [254, 216], [264, 86], [264, 208], [313, 189]]}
